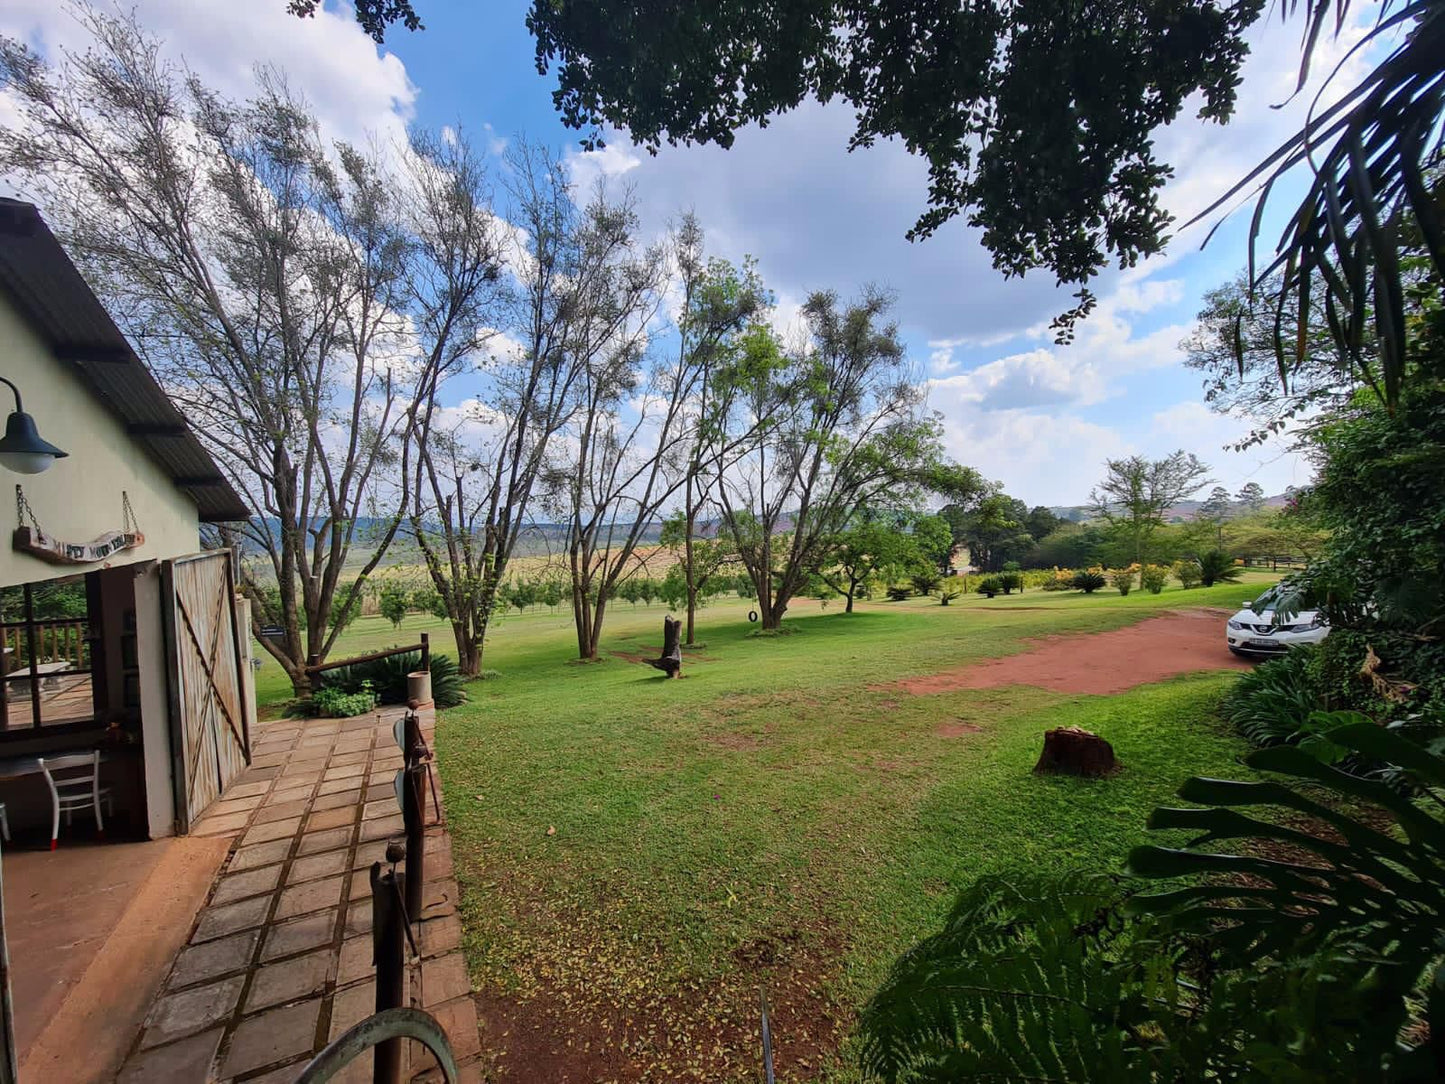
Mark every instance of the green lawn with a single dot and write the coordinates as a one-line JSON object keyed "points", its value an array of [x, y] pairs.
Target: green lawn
{"points": [[639, 857]]}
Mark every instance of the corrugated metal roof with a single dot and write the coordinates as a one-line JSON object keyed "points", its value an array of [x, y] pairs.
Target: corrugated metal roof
{"points": [[62, 307]]}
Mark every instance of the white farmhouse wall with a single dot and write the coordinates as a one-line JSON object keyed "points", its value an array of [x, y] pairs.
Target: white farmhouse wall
{"points": [[79, 498]]}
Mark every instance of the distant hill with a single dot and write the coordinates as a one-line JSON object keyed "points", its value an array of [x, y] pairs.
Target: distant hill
{"points": [[1182, 512]]}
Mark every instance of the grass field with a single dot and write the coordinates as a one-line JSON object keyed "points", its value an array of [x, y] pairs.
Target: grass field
{"points": [[640, 857]]}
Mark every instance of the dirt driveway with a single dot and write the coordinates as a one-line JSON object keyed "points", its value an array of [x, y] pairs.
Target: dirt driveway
{"points": [[1177, 642]]}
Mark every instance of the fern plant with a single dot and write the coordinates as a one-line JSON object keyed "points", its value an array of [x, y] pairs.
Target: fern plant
{"points": [[1031, 979]]}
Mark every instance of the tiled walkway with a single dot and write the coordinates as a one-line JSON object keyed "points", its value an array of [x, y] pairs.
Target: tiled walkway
{"points": [[280, 960]]}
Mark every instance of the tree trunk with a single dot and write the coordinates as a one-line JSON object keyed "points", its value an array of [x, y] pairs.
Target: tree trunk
{"points": [[1069, 750], [670, 662], [688, 566]]}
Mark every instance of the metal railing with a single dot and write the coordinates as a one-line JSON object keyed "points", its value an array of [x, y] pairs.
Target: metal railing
{"points": [[389, 1026], [315, 666]]}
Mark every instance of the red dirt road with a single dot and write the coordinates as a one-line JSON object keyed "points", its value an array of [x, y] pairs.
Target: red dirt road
{"points": [[1178, 642]]}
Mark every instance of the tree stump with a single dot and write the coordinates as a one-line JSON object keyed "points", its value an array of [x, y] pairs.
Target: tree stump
{"points": [[1070, 750], [671, 661]]}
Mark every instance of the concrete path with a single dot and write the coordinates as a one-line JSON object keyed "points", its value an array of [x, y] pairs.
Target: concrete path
{"points": [[279, 962]]}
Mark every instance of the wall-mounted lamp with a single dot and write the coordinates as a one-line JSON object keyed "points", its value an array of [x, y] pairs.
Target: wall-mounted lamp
{"points": [[23, 449]]}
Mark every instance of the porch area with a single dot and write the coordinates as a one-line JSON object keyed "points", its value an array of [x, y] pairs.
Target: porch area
{"points": [[279, 960]]}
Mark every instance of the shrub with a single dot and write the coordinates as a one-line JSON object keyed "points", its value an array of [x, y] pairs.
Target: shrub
{"points": [[949, 592], [898, 594], [1273, 702], [989, 586], [333, 703], [1010, 581], [926, 582], [388, 677], [1060, 579], [1186, 571], [1152, 578], [1216, 566], [1088, 580], [1123, 579]]}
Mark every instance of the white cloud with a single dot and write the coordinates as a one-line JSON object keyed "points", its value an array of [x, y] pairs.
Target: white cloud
{"points": [[355, 91]]}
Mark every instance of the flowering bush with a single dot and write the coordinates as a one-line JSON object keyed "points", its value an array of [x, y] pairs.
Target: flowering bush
{"points": [[1152, 578], [1059, 579], [1123, 579]]}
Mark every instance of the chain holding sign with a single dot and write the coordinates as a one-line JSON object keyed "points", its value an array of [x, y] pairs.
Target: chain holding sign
{"points": [[34, 541]]}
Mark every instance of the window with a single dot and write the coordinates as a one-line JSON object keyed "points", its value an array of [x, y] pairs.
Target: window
{"points": [[45, 633]]}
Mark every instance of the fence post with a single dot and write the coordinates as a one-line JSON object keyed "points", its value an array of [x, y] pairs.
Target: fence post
{"points": [[388, 941], [413, 813], [426, 652]]}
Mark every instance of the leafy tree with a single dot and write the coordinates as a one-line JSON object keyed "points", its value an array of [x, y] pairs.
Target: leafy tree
{"points": [[876, 540], [1071, 545], [1214, 510], [1136, 493], [845, 427], [933, 539], [1235, 344], [718, 305], [1251, 495], [1041, 522], [992, 529], [1036, 126], [393, 603]]}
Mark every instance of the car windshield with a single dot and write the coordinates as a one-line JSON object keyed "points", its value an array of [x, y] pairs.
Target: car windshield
{"points": [[1285, 593]]}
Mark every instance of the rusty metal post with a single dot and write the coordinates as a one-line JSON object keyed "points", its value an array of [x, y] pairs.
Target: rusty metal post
{"points": [[415, 744], [413, 813], [388, 942]]}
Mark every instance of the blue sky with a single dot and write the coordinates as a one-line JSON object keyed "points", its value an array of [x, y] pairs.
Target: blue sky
{"points": [[1037, 417]]}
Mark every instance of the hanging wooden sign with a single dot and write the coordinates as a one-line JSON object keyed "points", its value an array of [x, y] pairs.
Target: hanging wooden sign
{"points": [[38, 544]]}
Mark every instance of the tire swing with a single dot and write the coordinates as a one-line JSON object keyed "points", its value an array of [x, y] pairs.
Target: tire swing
{"points": [[752, 617]]}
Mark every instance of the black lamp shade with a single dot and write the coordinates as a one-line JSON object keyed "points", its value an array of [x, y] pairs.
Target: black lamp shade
{"points": [[23, 449]]}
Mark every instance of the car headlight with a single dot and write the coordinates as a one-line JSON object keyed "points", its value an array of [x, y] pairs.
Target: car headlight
{"points": [[1236, 625]]}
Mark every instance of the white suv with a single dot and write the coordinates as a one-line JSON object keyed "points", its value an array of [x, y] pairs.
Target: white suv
{"points": [[1255, 631]]}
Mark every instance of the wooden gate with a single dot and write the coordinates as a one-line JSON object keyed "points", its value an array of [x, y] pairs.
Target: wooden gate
{"points": [[210, 744]]}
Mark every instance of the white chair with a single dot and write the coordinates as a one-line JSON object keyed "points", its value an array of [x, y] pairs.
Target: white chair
{"points": [[74, 790]]}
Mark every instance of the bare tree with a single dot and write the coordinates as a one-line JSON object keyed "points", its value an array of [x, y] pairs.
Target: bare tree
{"points": [[257, 271], [842, 425], [476, 473], [626, 446], [1137, 492]]}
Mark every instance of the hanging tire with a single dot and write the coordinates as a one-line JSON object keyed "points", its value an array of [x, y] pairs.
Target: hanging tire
{"points": [[753, 616]]}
